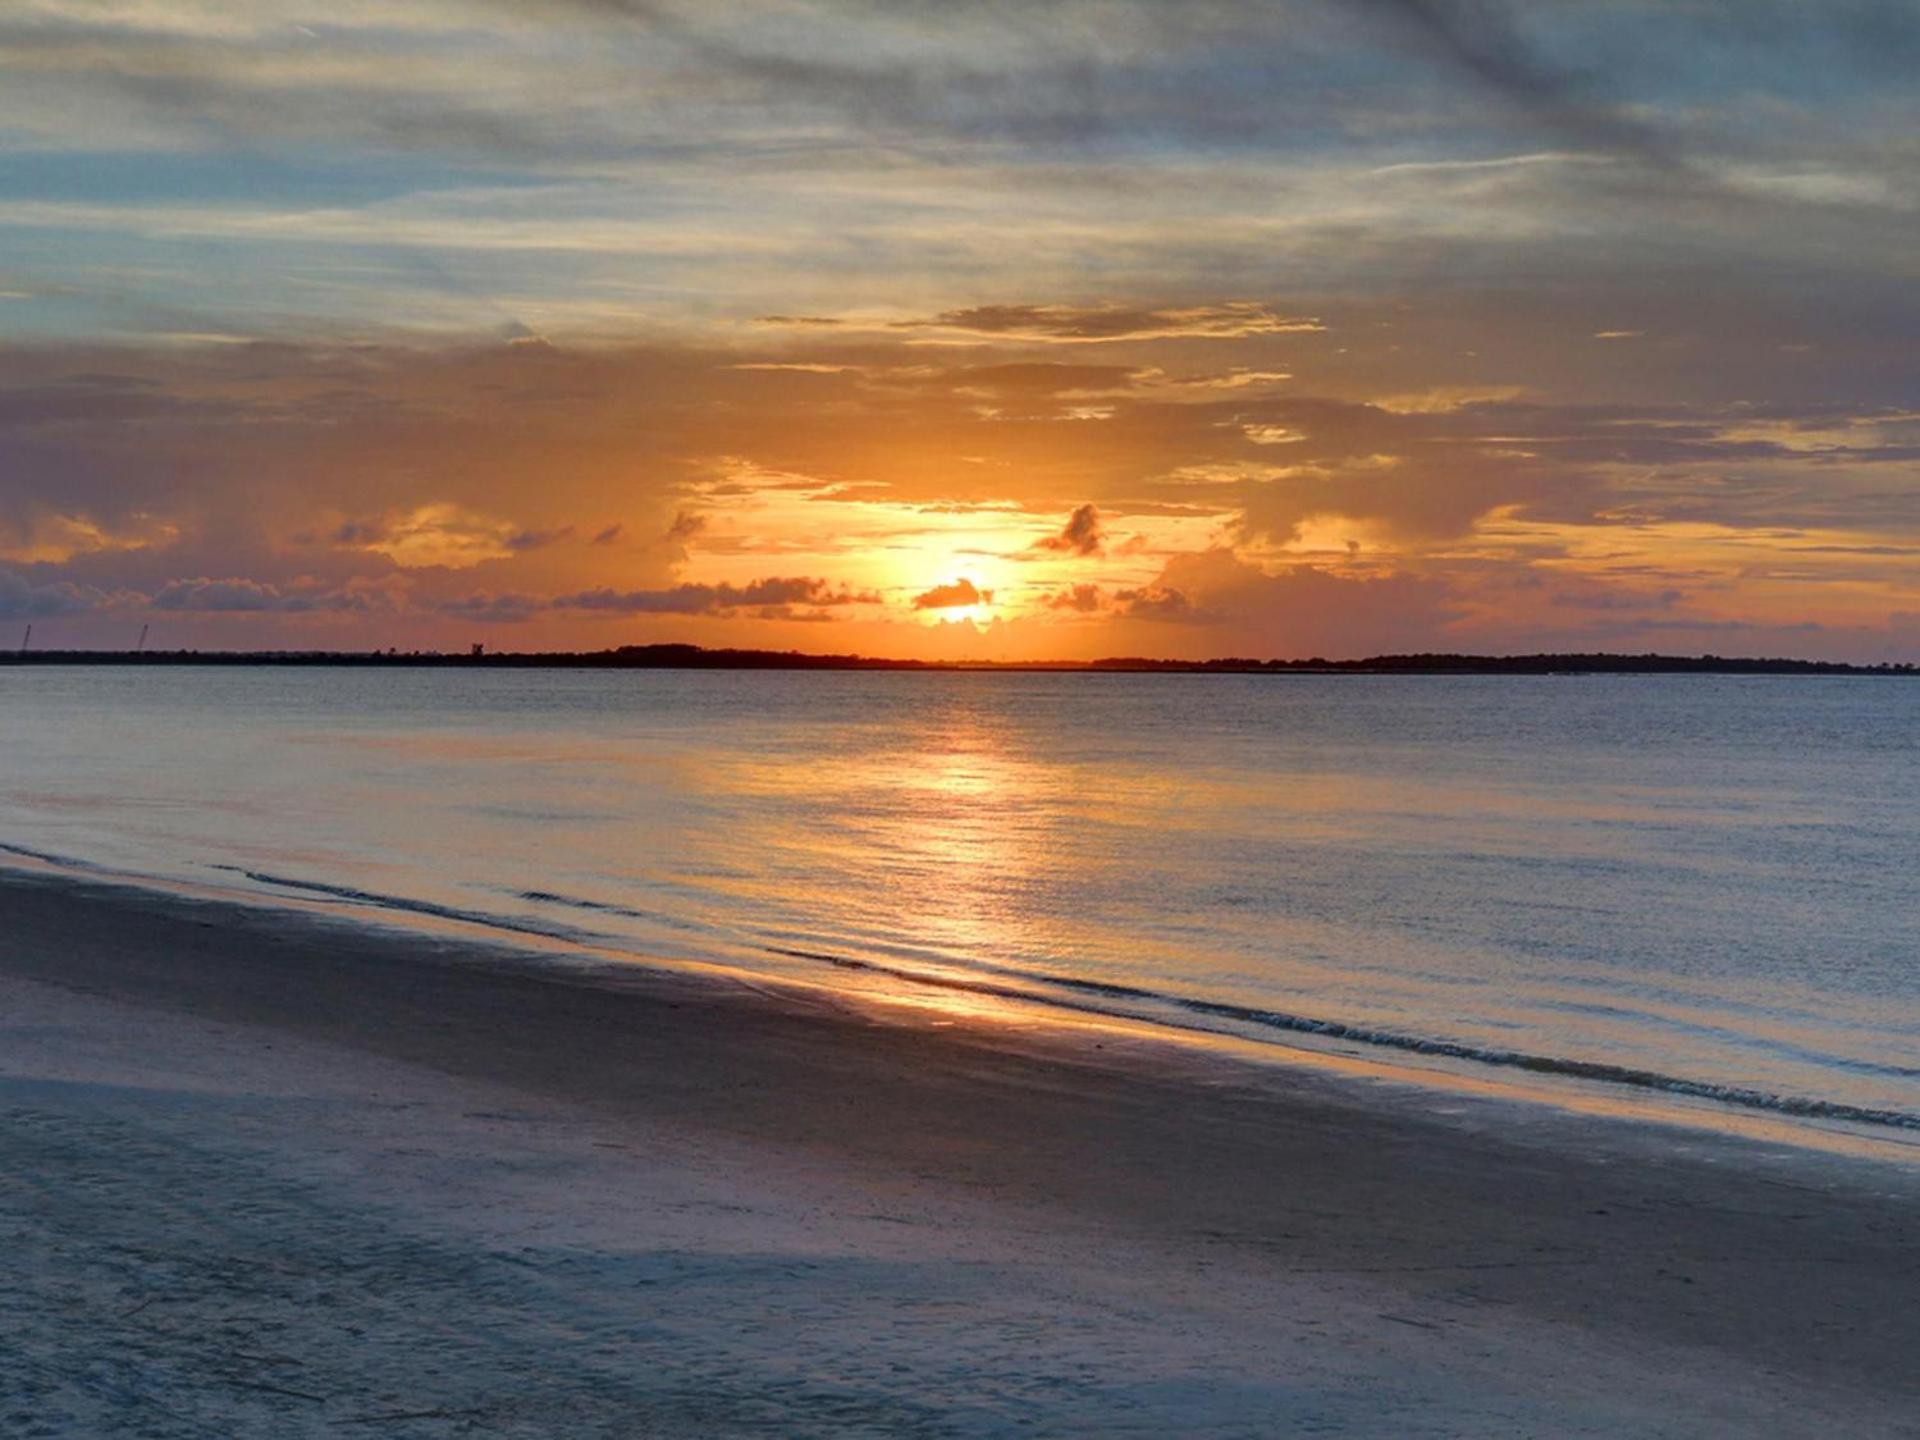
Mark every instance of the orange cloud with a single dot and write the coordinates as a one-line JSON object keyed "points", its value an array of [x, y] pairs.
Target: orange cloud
{"points": [[1097, 324], [443, 535], [52, 537], [953, 596], [598, 495]]}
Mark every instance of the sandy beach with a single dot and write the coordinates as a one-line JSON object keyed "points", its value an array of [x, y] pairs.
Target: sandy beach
{"points": [[1081, 719], [271, 1175]]}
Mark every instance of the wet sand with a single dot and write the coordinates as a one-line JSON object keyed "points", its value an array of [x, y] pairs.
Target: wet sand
{"points": [[267, 1175]]}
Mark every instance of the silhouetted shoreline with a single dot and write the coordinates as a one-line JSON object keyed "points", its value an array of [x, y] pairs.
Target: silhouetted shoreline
{"points": [[696, 657]]}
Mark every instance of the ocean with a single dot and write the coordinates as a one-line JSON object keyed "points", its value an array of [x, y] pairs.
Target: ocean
{"points": [[1697, 884]]}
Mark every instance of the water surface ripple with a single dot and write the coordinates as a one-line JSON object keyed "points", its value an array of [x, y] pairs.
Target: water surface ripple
{"points": [[1694, 883]]}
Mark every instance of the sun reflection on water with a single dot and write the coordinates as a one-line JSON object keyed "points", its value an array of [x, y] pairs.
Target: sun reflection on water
{"points": [[947, 839], [1663, 882]]}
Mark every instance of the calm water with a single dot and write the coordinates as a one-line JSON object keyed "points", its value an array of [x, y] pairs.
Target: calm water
{"points": [[1705, 879]]}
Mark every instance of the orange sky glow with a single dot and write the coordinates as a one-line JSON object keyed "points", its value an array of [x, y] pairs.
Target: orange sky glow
{"points": [[639, 336]]}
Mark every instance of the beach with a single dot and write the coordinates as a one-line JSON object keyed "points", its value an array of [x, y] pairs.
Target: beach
{"points": [[1101, 720], [275, 1174]]}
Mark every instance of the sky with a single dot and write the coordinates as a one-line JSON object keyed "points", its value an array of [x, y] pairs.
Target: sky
{"points": [[992, 329]]}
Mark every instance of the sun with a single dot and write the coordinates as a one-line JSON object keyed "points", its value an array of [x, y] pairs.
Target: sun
{"points": [[951, 584], [975, 615]]}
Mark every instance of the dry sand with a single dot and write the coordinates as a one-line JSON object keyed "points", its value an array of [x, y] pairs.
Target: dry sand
{"points": [[267, 1176]]}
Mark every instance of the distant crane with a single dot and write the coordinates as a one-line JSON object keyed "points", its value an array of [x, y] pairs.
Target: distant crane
{"points": [[143, 639]]}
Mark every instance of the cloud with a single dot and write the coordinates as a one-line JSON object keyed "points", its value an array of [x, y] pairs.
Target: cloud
{"points": [[233, 595], [1300, 611], [898, 186], [791, 367], [1081, 535], [1446, 399], [1040, 76], [243, 595], [524, 540], [1155, 602], [1099, 324], [303, 466], [695, 599], [1484, 39], [1272, 434], [442, 534], [492, 609], [90, 398], [1239, 377], [685, 526], [206, 595], [1082, 599], [783, 597], [50, 537], [1135, 150], [20, 599], [1578, 595], [1030, 379], [671, 547], [952, 596]]}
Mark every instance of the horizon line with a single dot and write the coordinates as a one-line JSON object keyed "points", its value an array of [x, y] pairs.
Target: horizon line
{"points": [[686, 655]]}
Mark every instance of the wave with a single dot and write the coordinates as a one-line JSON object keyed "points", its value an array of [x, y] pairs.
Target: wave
{"points": [[1075, 986], [1806, 1107], [573, 902], [1604, 1071], [47, 857], [378, 901]]}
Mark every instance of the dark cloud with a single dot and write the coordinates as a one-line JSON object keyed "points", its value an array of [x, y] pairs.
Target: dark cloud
{"points": [[237, 594], [1155, 602], [206, 593], [1299, 611], [1485, 40], [1081, 599], [1081, 535], [21, 599], [89, 399], [490, 609], [360, 532], [690, 599], [686, 524], [538, 539]]}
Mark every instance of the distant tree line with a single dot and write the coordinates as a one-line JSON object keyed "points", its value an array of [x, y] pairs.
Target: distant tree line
{"points": [[695, 657]]}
